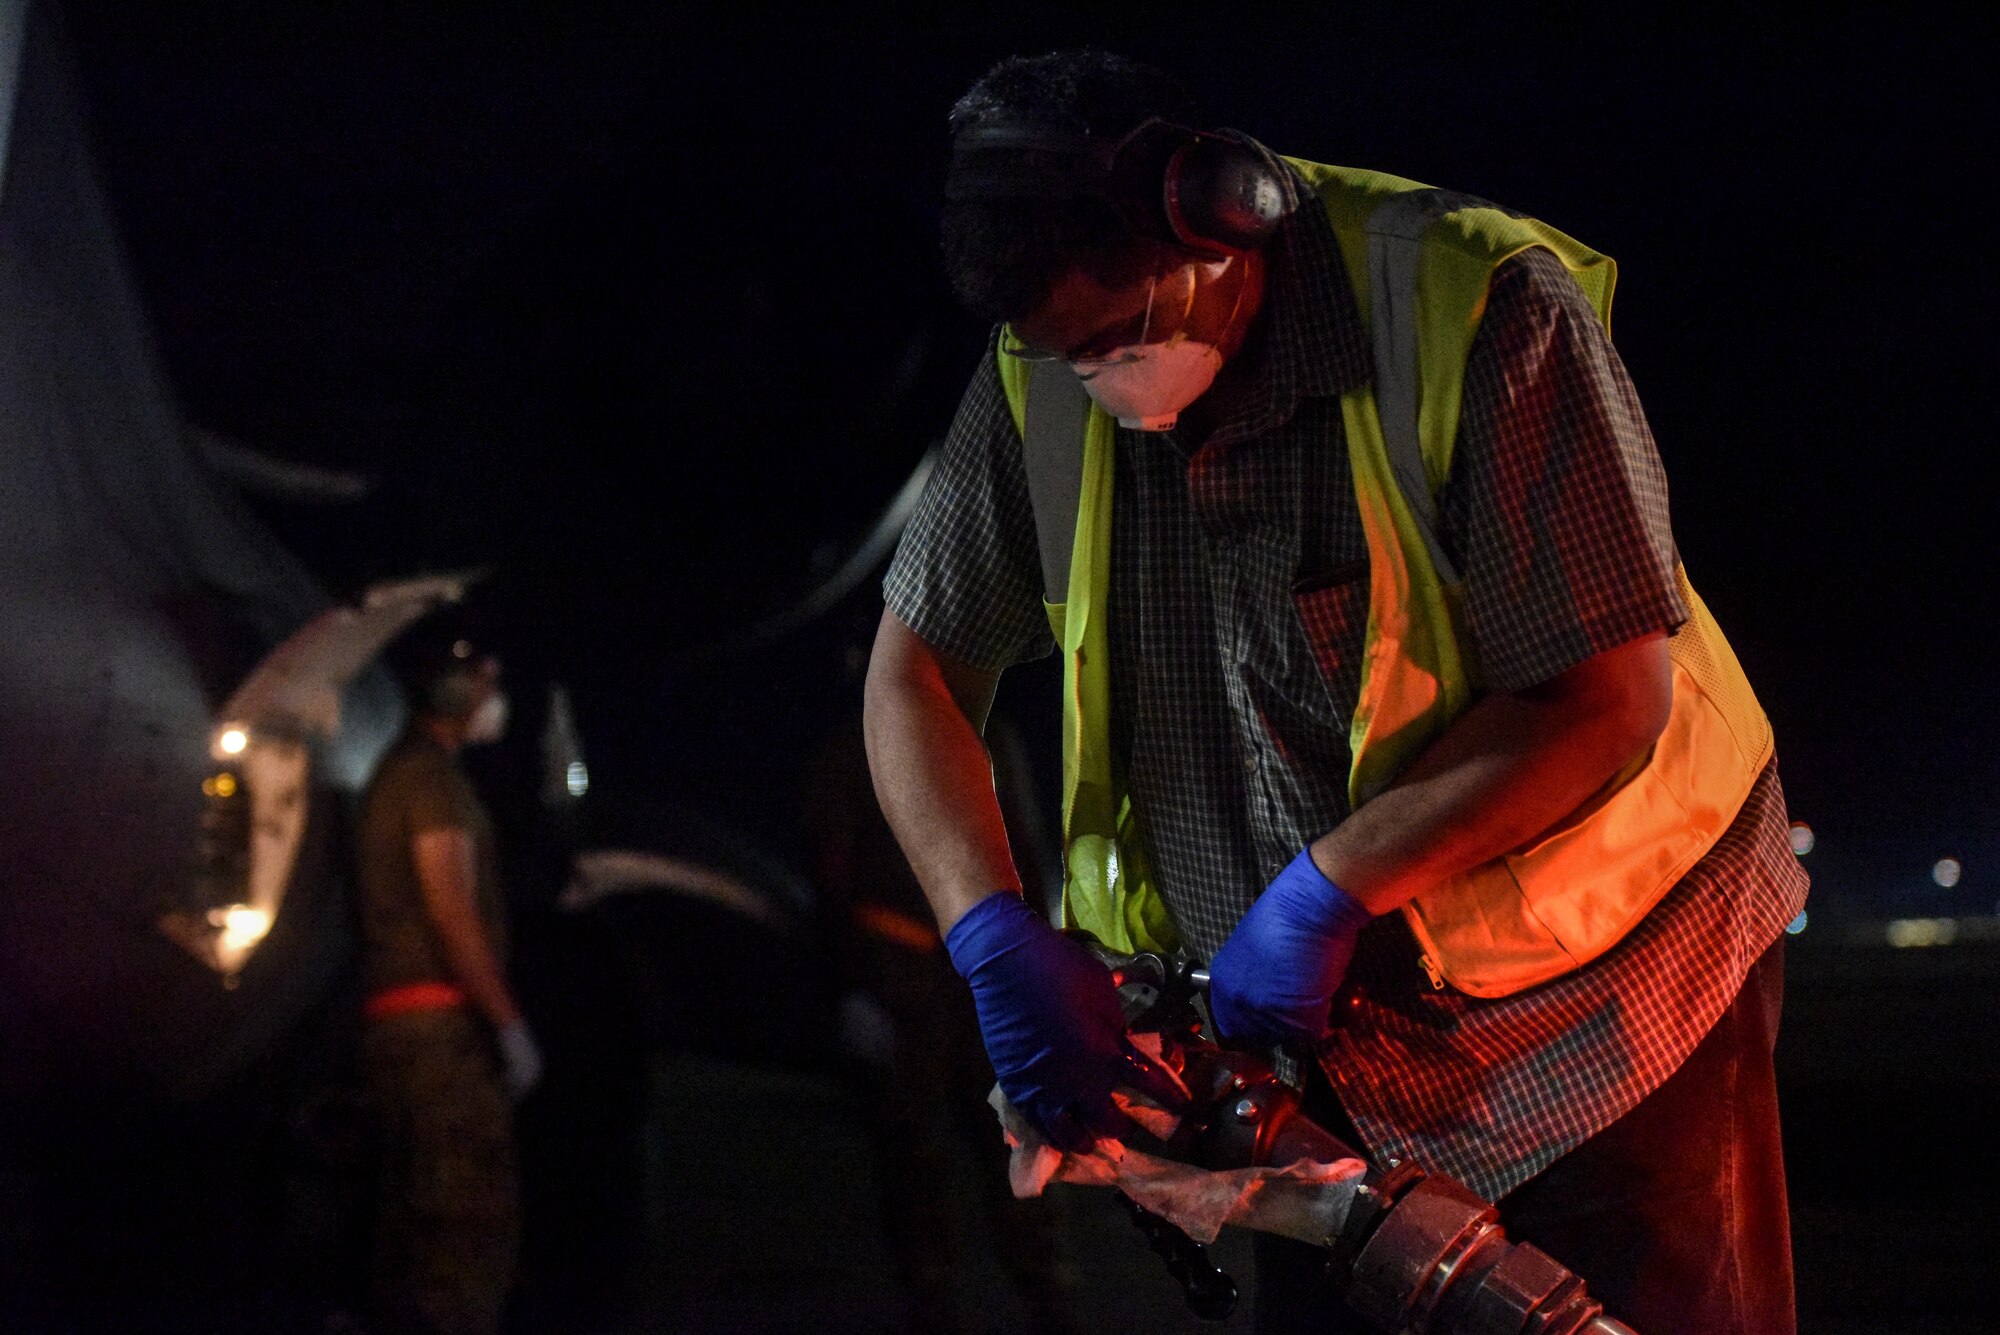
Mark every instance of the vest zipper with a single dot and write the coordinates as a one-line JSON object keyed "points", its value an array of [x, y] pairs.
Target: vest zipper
{"points": [[1436, 974]]}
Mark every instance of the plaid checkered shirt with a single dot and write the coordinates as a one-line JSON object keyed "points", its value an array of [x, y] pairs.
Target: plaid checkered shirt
{"points": [[1239, 601]]}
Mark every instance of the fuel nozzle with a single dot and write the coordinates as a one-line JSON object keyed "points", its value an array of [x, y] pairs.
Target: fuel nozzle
{"points": [[1416, 1252]]}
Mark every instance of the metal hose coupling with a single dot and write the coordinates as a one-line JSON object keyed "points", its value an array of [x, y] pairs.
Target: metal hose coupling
{"points": [[1417, 1253], [1423, 1253]]}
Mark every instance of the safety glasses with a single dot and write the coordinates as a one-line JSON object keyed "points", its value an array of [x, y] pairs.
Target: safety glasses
{"points": [[1169, 301]]}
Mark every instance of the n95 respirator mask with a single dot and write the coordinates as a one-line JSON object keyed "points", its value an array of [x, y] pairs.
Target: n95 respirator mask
{"points": [[1190, 325]]}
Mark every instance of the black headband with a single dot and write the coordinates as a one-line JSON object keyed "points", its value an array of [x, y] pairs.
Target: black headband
{"points": [[1012, 160]]}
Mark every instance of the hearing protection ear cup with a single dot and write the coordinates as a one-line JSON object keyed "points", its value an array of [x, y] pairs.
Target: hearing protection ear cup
{"points": [[1220, 195]]}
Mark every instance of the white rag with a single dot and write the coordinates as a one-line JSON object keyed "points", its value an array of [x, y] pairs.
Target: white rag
{"points": [[1304, 1200]]}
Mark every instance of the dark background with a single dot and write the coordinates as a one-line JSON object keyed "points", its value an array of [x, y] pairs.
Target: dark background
{"points": [[642, 305], [639, 306]]}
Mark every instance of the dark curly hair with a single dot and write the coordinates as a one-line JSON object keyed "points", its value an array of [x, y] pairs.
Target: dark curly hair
{"points": [[1004, 256]]}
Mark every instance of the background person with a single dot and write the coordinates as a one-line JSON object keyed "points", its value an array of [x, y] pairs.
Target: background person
{"points": [[445, 1052], [926, 1088]]}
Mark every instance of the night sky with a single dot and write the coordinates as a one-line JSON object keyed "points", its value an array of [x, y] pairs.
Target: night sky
{"points": [[641, 306]]}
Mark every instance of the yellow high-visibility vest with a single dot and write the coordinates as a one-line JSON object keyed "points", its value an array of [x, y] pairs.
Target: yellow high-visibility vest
{"points": [[1421, 261]]}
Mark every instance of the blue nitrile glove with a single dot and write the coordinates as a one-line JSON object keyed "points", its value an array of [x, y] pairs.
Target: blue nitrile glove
{"points": [[1273, 981], [1052, 1023]]}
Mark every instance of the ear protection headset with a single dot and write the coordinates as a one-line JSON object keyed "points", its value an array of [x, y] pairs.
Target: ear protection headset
{"points": [[1210, 193]]}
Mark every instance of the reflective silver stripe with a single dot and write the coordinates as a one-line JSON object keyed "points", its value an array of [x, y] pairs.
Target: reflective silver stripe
{"points": [[1394, 231], [1055, 415]]}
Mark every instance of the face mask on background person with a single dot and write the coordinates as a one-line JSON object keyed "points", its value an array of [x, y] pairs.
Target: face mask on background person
{"points": [[488, 723]]}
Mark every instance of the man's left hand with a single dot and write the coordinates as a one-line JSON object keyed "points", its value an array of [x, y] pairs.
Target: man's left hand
{"points": [[1273, 981], [521, 1059]]}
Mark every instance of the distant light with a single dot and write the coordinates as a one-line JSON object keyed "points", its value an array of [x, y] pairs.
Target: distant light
{"points": [[461, 648], [578, 778], [1802, 838], [1907, 932], [1947, 872], [1798, 924], [242, 926], [232, 741], [219, 785]]}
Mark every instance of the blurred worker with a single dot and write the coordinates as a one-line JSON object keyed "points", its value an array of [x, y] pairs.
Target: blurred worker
{"points": [[927, 1089], [445, 1050], [1385, 693]]}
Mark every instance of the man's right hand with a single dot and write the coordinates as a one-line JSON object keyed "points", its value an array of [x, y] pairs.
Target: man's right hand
{"points": [[1052, 1023]]}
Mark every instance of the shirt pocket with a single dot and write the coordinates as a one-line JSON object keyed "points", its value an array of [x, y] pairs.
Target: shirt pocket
{"points": [[1333, 612]]}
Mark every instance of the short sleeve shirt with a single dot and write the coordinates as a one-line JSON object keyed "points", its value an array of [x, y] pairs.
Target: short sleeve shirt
{"points": [[418, 787], [1237, 616]]}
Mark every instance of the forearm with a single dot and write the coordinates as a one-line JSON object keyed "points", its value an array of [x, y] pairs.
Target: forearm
{"points": [[1507, 769], [933, 777], [444, 861], [477, 971]]}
